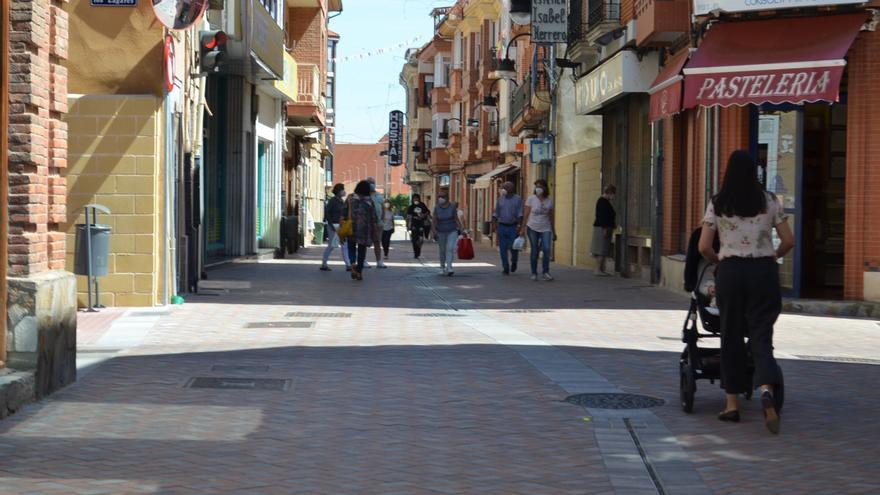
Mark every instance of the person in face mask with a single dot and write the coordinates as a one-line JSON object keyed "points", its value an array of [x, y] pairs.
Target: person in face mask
{"points": [[506, 220], [333, 211], [445, 228], [378, 201], [387, 220], [416, 220], [539, 222]]}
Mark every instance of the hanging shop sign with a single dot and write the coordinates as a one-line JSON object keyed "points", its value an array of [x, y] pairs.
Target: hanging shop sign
{"points": [[395, 138], [287, 85], [168, 64], [549, 21], [539, 150], [179, 14], [622, 74], [267, 39], [703, 7]]}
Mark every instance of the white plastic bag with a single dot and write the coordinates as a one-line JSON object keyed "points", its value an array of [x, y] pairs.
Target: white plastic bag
{"points": [[519, 243]]}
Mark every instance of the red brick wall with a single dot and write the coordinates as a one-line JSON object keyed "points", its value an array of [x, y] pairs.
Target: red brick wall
{"points": [[862, 237], [307, 35], [675, 162], [734, 123], [37, 136]]}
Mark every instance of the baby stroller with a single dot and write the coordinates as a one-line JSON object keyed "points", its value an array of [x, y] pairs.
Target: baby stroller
{"points": [[698, 363]]}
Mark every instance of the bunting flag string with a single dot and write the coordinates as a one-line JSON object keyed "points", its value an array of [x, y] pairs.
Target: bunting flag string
{"points": [[380, 51]]}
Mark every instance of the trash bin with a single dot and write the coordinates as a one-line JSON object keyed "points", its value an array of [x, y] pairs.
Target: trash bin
{"points": [[319, 233], [100, 250]]}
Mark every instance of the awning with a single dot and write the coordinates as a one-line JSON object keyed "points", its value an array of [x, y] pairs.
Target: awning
{"points": [[485, 180], [794, 60], [666, 90]]}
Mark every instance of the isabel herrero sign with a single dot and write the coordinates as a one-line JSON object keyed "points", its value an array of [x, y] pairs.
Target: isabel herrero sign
{"points": [[549, 21], [703, 7], [395, 138]]}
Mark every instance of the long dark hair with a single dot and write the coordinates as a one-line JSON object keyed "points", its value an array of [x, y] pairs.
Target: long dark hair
{"points": [[741, 193], [362, 188]]}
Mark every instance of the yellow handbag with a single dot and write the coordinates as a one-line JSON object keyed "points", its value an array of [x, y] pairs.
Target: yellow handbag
{"points": [[346, 228]]}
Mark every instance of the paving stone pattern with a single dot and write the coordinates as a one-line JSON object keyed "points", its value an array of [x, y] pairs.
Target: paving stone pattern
{"points": [[399, 399]]}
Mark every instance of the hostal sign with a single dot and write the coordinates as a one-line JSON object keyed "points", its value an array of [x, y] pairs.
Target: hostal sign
{"points": [[395, 138], [549, 21]]}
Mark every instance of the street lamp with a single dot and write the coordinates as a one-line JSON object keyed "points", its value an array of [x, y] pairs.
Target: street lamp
{"points": [[521, 11], [444, 134], [507, 67], [490, 101]]}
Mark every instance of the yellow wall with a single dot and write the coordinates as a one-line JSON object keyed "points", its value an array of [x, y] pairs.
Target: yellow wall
{"points": [[114, 150], [579, 225], [114, 50]]}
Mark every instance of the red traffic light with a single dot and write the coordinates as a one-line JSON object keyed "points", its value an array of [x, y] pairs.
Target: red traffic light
{"points": [[213, 39]]}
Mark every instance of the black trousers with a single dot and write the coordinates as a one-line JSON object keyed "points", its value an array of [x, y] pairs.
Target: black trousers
{"points": [[386, 240], [357, 254], [750, 301], [416, 237]]}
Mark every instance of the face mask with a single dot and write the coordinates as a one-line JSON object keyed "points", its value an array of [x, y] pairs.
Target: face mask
{"points": [[373, 187], [539, 191], [441, 201], [387, 205], [504, 192]]}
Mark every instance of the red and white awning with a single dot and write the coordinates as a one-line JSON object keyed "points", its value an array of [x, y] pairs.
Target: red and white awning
{"points": [[667, 87], [793, 60]]}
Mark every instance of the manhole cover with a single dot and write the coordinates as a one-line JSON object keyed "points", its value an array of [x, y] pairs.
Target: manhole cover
{"points": [[228, 383], [242, 369], [614, 401], [280, 324], [318, 315], [436, 315]]}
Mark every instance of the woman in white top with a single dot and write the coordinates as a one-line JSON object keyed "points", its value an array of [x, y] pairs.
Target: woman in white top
{"points": [[538, 222], [744, 215], [387, 227]]}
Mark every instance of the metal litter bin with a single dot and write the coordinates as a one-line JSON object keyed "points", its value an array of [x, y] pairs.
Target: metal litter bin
{"points": [[100, 248]]}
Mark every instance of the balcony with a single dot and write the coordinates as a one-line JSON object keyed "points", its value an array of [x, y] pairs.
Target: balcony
{"points": [[439, 160], [661, 22], [488, 65], [440, 100], [589, 20], [470, 80], [529, 102], [307, 107]]}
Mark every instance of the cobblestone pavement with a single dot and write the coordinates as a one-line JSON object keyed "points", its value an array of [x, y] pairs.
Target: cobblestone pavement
{"points": [[412, 383]]}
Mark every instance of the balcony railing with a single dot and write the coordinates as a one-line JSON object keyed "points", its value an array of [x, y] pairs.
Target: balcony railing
{"points": [[520, 97], [597, 12], [603, 11], [308, 84]]}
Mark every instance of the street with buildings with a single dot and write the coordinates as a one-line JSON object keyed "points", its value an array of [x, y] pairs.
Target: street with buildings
{"points": [[167, 167]]}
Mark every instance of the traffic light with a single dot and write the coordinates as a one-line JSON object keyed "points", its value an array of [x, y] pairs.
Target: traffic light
{"points": [[212, 47]]}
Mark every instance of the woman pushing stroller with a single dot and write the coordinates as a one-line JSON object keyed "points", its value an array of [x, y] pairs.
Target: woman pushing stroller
{"points": [[743, 215]]}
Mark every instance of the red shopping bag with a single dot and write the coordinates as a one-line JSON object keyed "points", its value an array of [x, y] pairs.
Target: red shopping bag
{"points": [[465, 248]]}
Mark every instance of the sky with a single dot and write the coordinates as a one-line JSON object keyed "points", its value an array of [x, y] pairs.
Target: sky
{"points": [[368, 87]]}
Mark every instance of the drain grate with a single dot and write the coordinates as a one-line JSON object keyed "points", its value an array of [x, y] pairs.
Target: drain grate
{"points": [[614, 401], [318, 315], [229, 383], [280, 324], [840, 359], [241, 369], [436, 315]]}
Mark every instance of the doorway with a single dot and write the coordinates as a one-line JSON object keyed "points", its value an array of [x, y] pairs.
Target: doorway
{"points": [[801, 153]]}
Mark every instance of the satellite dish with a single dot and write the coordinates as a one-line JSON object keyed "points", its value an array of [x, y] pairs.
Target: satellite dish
{"points": [[179, 14]]}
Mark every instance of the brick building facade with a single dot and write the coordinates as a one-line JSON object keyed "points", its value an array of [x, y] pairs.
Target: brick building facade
{"points": [[41, 318]]}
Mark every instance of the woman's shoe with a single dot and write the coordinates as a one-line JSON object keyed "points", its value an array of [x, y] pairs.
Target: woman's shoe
{"points": [[771, 417], [354, 274], [547, 277], [360, 276], [324, 268], [730, 416]]}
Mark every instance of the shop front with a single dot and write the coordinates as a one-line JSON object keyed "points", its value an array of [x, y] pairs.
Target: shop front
{"points": [[790, 77], [618, 91]]}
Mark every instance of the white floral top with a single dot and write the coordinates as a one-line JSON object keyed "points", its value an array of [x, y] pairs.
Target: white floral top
{"points": [[750, 237]]}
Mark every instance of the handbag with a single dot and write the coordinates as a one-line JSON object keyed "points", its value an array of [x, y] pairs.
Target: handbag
{"points": [[465, 248], [346, 228]]}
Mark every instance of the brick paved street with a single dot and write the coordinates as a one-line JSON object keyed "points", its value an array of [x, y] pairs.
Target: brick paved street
{"points": [[411, 383]]}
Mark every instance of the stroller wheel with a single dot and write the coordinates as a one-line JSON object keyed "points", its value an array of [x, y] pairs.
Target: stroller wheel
{"points": [[687, 386]]}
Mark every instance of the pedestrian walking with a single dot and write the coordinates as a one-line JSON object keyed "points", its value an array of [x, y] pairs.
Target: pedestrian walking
{"points": [[365, 227], [445, 229], [378, 201], [744, 215], [538, 221], [416, 218], [333, 212], [603, 229], [506, 221], [387, 227]]}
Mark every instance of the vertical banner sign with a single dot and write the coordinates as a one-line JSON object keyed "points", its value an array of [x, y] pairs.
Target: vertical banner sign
{"points": [[395, 138], [549, 21]]}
